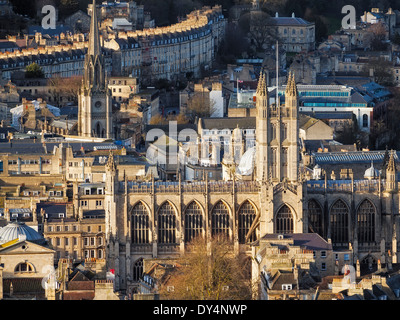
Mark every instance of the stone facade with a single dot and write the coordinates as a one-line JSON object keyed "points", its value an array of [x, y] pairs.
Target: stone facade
{"points": [[152, 219], [95, 107]]}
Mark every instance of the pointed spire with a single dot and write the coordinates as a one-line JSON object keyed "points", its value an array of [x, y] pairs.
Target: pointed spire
{"points": [[289, 83], [111, 163], [94, 37], [391, 165], [291, 88], [262, 86]]}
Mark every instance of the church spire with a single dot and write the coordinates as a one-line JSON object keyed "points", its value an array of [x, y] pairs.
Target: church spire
{"points": [[94, 37], [94, 77]]}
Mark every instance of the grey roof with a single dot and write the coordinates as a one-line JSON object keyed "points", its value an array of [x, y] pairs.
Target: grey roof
{"points": [[228, 123], [52, 209], [94, 214], [242, 123], [329, 115], [351, 157], [289, 21], [283, 277], [311, 241], [8, 45]]}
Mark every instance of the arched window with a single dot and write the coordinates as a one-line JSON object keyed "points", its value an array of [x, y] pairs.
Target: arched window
{"points": [[98, 130], [246, 216], [315, 217], [140, 224], [193, 221], [366, 222], [365, 121], [24, 267], [284, 220], [220, 220], [138, 269], [166, 224], [339, 219]]}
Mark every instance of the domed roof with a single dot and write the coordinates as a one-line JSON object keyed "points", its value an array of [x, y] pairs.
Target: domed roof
{"points": [[15, 229], [371, 172]]}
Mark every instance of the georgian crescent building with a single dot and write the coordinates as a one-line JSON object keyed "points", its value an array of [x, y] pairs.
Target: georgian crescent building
{"points": [[156, 219]]}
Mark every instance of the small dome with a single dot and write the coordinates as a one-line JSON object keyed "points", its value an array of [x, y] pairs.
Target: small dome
{"points": [[15, 229], [371, 172]]}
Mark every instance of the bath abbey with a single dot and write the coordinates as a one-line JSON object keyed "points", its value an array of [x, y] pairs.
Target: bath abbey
{"points": [[356, 215], [115, 199]]}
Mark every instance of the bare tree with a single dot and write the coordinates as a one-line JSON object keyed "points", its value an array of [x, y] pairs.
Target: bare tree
{"points": [[381, 71], [65, 88], [260, 29], [200, 106], [378, 34], [210, 271]]}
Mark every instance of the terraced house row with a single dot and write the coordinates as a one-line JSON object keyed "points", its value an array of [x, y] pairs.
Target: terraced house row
{"points": [[162, 52]]}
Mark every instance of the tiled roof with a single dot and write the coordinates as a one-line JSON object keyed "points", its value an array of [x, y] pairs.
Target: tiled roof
{"points": [[23, 286]]}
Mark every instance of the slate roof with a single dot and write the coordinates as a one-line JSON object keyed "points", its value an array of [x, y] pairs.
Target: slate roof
{"points": [[306, 122], [330, 115], [228, 123], [282, 277], [246, 122], [351, 157], [94, 214], [289, 21], [311, 241]]}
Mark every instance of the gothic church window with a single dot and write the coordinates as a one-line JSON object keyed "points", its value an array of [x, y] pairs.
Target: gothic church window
{"points": [[166, 224], [274, 162], [138, 269], [285, 162], [339, 221], [366, 222], [246, 214], [315, 217], [220, 220], [284, 220], [140, 224], [193, 221]]}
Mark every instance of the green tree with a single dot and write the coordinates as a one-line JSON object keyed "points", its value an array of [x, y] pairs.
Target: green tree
{"points": [[34, 71]]}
